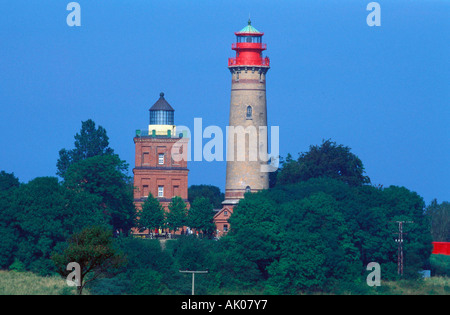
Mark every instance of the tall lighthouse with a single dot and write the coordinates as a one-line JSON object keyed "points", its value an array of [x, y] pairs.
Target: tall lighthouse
{"points": [[247, 143]]}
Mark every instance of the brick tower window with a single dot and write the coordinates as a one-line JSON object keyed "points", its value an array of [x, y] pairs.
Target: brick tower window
{"points": [[161, 191], [249, 112], [145, 190], [161, 158], [146, 158]]}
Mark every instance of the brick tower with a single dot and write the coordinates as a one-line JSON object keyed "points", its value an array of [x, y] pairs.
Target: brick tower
{"points": [[247, 145], [155, 170]]}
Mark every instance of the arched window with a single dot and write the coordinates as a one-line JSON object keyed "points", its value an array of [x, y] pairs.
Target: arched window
{"points": [[249, 112], [248, 189]]}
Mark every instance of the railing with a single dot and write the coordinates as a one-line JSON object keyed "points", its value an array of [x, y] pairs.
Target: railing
{"points": [[261, 46], [146, 133], [232, 61], [264, 62]]}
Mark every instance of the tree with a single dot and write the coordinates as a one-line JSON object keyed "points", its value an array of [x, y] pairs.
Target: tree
{"points": [[439, 216], [210, 192], [315, 247], [104, 176], [320, 234], [201, 216], [152, 215], [176, 217], [8, 234], [93, 250], [91, 141], [327, 160], [8, 181], [253, 236], [42, 214]]}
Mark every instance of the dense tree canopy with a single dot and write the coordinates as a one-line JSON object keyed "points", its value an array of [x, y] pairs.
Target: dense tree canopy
{"points": [[316, 229], [308, 235], [439, 216], [152, 215], [177, 215], [91, 141], [210, 192], [104, 176], [327, 160], [201, 215], [39, 216]]}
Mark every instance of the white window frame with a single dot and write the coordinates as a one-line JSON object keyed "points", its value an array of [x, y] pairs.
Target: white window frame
{"points": [[161, 158], [160, 191]]}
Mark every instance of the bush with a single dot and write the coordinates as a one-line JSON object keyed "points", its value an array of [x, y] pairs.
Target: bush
{"points": [[17, 265], [440, 265]]}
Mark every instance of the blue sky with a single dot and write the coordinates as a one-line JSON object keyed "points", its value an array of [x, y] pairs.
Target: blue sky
{"points": [[383, 91]]}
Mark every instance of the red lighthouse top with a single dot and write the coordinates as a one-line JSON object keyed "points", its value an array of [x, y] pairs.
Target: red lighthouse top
{"points": [[249, 48]]}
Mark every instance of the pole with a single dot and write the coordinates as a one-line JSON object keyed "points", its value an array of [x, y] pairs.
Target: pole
{"points": [[399, 240], [193, 276]]}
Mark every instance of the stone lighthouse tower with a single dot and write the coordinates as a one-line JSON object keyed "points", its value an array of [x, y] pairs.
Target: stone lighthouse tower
{"points": [[247, 140]]}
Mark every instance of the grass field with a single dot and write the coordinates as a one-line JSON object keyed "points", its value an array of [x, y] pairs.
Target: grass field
{"points": [[27, 283], [429, 286]]}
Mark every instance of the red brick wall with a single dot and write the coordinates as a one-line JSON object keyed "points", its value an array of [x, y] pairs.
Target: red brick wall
{"points": [[221, 220], [149, 174]]}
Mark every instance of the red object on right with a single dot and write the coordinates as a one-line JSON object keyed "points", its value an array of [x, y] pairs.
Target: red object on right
{"points": [[442, 248]]}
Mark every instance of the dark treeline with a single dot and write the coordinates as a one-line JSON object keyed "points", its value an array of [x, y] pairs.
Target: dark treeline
{"points": [[315, 230]]}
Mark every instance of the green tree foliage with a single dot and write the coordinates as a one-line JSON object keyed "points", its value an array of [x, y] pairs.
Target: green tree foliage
{"points": [[210, 192], [327, 160], [256, 228], [91, 141], [193, 253], [152, 215], [8, 181], [439, 216], [318, 233], [440, 265], [8, 234], [104, 176], [148, 270], [315, 248], [177, 214], [201, 216], [93, 167], [92, 248], [41, 215]]}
